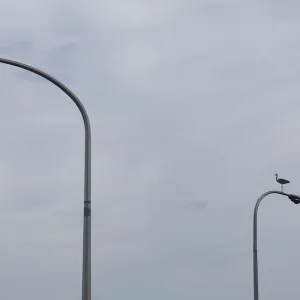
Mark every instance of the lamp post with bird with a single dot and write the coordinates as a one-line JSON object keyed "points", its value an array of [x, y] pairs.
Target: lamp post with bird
{"points": [[295, 199]]}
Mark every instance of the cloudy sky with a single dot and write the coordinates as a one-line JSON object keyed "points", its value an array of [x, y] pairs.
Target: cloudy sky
{"points": [[194, 105]]}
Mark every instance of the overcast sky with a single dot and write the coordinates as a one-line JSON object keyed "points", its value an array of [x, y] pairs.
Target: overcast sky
{"points": [[194, 105]]}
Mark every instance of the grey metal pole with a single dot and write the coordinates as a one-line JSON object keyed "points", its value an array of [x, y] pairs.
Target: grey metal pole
{"points": [[86, 266], [255, 261]]}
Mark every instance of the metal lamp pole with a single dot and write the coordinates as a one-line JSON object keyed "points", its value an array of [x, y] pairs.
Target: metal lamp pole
{"points": [[295, 199], [86, 266]]}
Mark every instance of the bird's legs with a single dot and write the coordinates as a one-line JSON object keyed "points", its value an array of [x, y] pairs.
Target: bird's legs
{"points": [[282, 188]]}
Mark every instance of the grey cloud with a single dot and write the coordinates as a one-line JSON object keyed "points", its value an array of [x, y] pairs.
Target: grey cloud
{"points": [[191, 103]]}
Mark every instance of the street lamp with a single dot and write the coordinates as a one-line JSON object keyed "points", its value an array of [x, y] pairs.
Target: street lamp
{"points": [[295, 199], [86, 265]]}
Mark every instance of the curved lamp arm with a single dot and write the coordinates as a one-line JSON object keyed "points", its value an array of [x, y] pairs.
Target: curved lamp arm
{"points": [[86, 269], [295, 199]]}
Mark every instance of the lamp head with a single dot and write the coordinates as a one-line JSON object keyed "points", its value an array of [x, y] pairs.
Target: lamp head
{"points": [[294, 198]]}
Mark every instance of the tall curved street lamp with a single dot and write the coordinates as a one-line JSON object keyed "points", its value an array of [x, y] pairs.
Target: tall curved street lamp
{"points": [[86, 266], [295, 199]]}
